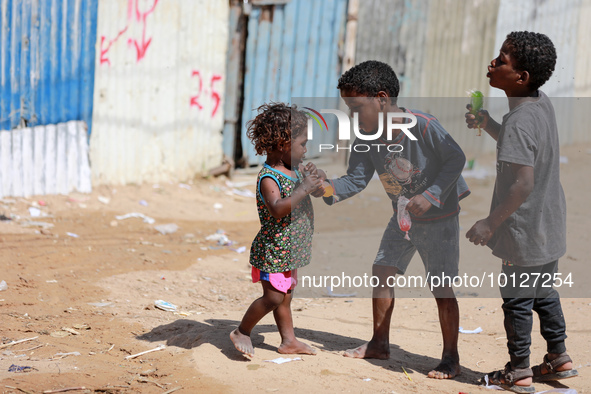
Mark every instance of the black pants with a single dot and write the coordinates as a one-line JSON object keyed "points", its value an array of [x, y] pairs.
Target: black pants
{"points": [[530, 289]]}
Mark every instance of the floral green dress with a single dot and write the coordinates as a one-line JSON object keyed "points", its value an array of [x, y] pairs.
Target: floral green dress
{"points": [[282, 244]]}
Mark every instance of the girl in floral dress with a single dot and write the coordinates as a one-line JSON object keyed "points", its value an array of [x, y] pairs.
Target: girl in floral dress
{"points": [[287, 222]]}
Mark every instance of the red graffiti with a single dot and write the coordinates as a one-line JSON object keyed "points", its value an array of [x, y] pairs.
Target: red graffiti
{"points": [[215, 96], [104, 57], [194, 99], [141, 46]]}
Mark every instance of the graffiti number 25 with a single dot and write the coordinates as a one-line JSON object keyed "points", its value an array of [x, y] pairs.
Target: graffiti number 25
{"points": [[215, 95]]}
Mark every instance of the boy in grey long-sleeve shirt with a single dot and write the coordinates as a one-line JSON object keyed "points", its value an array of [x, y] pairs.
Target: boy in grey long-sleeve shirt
{"points": [[427, 171]]}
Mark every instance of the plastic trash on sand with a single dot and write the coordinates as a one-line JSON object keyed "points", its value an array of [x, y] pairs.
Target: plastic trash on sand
{"points": [[165, 306], [283, 360], [474, 331], [220, 237], [146, 219], [3, 285], [167, 228]]}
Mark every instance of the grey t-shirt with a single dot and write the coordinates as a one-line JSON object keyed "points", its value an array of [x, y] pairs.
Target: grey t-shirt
{"points": [[535, 234]]}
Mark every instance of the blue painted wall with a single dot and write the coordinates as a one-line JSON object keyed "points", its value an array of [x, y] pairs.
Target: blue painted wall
{"points": [[47, 57], [292, 50]]}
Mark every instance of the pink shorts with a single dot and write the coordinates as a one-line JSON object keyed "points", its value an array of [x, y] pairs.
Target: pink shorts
{"points": [[282, 281]]}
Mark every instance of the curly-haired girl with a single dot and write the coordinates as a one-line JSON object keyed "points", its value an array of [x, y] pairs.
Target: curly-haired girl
{"points": [[287, 221]]}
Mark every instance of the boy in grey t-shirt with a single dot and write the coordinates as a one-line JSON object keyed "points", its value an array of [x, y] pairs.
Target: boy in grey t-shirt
{"points": [[526, 227]]}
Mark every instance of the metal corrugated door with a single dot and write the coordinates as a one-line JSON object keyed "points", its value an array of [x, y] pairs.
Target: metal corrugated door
{"points": [[292, 50]]}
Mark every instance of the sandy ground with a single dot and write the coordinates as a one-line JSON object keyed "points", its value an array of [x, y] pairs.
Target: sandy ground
{"points": [[88, 298]]}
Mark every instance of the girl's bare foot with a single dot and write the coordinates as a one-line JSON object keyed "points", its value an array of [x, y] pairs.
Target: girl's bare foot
{"points": [[368, 350], [296, 347], [242, 343]]}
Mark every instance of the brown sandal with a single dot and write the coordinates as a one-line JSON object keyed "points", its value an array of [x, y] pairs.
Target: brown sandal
{"points": [[551, 366], [506, 379]]}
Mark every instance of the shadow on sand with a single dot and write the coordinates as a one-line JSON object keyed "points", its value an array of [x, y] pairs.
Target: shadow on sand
{"points": [[189, 334]]}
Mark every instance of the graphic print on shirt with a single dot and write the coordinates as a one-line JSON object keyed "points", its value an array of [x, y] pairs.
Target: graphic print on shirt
{"points": [[401, 176]]}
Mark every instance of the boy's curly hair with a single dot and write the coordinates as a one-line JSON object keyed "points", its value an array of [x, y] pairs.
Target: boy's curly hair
{"points": [[534, 53], [371, 77], [276, 123]]}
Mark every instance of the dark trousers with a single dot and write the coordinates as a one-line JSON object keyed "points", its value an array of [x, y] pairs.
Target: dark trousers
{"points": [[524, 294]]}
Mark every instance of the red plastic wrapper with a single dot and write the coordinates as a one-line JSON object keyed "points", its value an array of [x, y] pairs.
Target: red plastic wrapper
{"points": [[403, 216]]}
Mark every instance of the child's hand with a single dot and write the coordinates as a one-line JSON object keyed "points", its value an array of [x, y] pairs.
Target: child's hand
{"points": [[312, 183], [418, 205], [311, 169], [473, 121], [480, 233]]}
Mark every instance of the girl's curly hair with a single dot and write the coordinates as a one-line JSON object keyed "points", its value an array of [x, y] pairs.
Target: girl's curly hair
{"points": [[276, 123]]}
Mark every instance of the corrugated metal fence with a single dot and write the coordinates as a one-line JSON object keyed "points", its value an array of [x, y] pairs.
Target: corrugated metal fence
{"points": [[46, 61], [292, 50], [158, 103], [46, 78]]}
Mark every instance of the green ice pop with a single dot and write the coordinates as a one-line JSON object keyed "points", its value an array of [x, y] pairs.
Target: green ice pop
{"points": [[476, 101]]}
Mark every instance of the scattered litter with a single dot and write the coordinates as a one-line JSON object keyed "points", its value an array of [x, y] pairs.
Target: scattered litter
{"points": [[59, 334], [3, 285], [99, 304], [64, 389], [146, 219], [34, 212], [28, 223], [367, 380], [114, 223], [475, 331], [81, 326], [70, 330], [182, 313], [165, 306], [244, 193], [332, 294], [406, 373], [144, 203], [58, 356], [239, 184], [104, 200], [155, 186], [282, 360], [4, 218], [563, 160], [160, 347], [219, 236], [41, 203], [169, 228], [15, 342], [73, 235], [18, 368], [184, 186], [217, 206], [51, 281], [241, 249]]}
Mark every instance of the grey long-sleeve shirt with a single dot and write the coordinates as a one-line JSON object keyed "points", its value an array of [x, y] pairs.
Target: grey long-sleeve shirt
{"points": [[431, 166]]}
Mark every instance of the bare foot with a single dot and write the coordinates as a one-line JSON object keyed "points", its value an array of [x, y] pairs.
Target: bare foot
{"points": [[369, 350], [242, 343], [296, 347], [448, 368]]}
